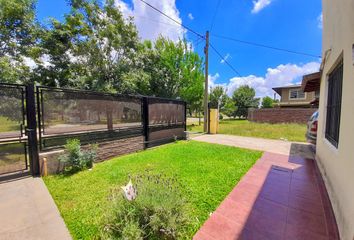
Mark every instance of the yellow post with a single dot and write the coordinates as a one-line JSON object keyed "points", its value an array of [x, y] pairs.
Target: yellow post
{"points": [[45, 167], [214, 121]]}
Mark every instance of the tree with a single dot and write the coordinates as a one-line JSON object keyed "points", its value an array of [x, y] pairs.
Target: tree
{"points": [[267, 102], [244, 98], [93, 48], [217, 97], [18, 38], [230, 108], [173, 71]]}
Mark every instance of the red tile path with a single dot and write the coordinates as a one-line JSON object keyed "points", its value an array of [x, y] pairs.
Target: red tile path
{"points": [[280, 197]]}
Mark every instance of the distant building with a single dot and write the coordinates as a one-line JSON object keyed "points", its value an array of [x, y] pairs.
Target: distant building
{"points": [[294, 97]]}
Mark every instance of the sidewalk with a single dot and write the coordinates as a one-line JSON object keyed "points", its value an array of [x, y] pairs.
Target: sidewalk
{"points": [[266, 145], [27, 211]]}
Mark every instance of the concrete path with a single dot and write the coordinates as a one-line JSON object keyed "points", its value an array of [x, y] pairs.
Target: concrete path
{"points": [[267, 145], [27, 211]]}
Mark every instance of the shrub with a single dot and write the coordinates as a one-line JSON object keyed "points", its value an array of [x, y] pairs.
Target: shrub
{"points": [[159, 211], [76, 159]]}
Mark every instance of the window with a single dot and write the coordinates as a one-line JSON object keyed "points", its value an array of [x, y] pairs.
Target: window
{"points": [[334, 100], [296, 94]]}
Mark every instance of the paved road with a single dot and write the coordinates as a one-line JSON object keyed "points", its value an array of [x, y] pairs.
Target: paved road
{"points": [[268, 145], [27, 211]]}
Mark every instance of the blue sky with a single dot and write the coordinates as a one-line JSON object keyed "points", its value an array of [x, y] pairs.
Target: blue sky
{"points": [[288, 24]]}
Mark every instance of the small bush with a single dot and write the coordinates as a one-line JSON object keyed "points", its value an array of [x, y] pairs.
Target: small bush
{"points": [[76, 159], [159, 211]]}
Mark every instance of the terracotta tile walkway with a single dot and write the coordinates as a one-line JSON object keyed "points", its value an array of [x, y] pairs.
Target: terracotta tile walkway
{"points": [[280, 197]]}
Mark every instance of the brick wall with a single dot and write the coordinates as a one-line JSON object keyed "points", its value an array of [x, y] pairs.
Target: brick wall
{"points": [[106, 150], [281, 115]]}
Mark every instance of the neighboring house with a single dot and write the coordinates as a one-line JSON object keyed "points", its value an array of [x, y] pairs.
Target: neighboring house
{"points": [[311, 84], [335, 135], [294, 97]]}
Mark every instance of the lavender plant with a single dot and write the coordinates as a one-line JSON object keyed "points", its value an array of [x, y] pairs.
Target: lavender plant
{"points": [[158, 211]]}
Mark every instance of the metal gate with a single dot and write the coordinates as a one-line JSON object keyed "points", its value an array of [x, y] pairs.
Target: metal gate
{"points": [[17, 130]]}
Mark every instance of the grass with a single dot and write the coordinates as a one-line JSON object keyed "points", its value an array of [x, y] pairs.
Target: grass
{"points": [[290, 131], [7, 125], [208, 172]]}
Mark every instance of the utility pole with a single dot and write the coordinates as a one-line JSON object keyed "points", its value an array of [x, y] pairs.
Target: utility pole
{"points": [[206, 51]]}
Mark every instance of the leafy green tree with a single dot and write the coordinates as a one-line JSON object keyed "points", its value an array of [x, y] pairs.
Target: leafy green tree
{"points": [[174, 71], [244, 98], [218, 97], [229, 108], [18, 38], [93, 48], [267, 102]]}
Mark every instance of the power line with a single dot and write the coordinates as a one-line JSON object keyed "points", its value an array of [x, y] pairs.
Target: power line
{"points": [[198, 41], [215, 13], [224, 59], [266, 46], [172, 19], [153, 20], [192, 31]]}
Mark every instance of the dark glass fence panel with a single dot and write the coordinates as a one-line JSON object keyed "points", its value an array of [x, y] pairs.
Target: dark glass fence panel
{"points": [[166, 121], [97, 117], [166, 112], [11, 111], [13, 157], [74, 112]]}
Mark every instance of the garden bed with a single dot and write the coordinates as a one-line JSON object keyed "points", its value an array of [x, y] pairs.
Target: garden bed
{"points": [[207, 173]]}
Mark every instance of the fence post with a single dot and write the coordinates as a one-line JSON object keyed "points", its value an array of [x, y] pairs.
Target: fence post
{"points": [[32, 130], [145, 116], [185, 116], [208, 123]]}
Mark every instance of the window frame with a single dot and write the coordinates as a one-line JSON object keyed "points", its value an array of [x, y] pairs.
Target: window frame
{"points": [[334, 104], [297, 98]]}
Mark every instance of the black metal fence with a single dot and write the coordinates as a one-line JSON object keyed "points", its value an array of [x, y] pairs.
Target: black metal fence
{"points": [[95, 117], [61, 114], [88, 116], [13, 138]]}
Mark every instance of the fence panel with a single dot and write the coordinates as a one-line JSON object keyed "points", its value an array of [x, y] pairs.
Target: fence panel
{"points": [[11, 111], [89, 116], [13, 142], [167, 120]]}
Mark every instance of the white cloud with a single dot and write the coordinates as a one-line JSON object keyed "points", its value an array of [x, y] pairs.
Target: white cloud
{"points": [[259, 5], [190, 16], [320, 21], [227, 56], [150, 23], [282, 75], [212, 79]]}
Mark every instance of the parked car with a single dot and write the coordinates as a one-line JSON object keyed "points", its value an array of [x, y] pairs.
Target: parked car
{"points": [[311, 133]]}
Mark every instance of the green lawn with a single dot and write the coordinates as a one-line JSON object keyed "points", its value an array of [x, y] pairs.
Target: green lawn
{"points": [[208, 173], [289, 131], [8, 125]]}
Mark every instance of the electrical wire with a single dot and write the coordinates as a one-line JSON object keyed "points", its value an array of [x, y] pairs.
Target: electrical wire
{"points": [[192, 31], [266, 46], [172, 19], [224, 59], [215, 13]]}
